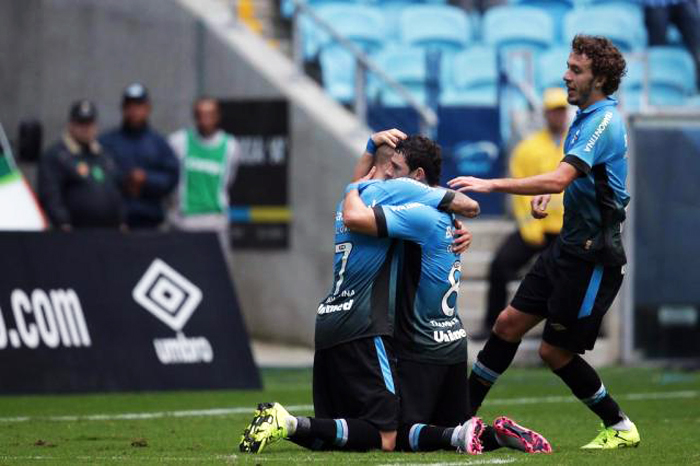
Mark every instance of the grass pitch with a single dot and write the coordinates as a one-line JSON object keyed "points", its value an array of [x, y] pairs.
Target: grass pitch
{"points": [[204, 427]]}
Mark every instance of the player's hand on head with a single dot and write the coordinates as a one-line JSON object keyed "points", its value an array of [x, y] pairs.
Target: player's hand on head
{"points": [[539, 204], [391, 137], [462, 238], [470, 183]]}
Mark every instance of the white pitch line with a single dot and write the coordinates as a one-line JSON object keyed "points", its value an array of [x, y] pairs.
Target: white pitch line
{"points": [[307, 408], [484, 461]]}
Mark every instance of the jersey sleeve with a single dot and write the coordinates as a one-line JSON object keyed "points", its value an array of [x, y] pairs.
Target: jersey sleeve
{"points": [[409, 221], [591, 145], [403, 191]]}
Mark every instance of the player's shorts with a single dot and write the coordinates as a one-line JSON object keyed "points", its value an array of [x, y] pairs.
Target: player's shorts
{"points": [[357, 380], [571, 293], [433, 394]]}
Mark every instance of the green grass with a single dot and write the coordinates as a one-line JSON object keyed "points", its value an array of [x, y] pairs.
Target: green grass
{"points": [[669, 427]]}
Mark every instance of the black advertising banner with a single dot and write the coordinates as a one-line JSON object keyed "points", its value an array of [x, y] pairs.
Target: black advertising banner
{"points": [[104, 311], [259, 208]]}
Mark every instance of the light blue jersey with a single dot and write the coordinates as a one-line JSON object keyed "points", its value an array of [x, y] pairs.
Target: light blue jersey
{"points": [[594, 203], [362, 299], [429, 328]]}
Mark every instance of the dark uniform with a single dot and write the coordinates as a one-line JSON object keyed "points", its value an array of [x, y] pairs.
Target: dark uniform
{"points": [[354, 365], [78, 187], [575, 281]]}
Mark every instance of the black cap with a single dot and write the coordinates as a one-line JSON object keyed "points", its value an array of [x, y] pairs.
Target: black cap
{"points": [[135, 92], [83, 111]]}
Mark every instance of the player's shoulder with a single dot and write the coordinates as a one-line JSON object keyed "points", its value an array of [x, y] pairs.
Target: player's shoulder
{"points": [[406, 183], [605, 116]]}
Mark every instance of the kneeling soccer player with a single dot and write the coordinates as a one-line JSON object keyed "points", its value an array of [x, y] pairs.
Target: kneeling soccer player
{"points": [[354, 388], [429, 339]]}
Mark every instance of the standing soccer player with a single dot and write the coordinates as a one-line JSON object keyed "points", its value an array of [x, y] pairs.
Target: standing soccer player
{"points": [[576, 279]]}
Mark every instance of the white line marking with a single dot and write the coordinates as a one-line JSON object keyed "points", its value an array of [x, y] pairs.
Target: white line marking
{"points": [[484, 461], [308, 408], [197, 459]]}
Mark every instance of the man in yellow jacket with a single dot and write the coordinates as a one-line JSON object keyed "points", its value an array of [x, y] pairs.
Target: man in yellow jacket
{"points": [[539, 153]]}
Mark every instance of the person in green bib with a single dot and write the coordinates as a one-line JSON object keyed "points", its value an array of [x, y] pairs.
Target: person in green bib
{"points": [[208, 160]]}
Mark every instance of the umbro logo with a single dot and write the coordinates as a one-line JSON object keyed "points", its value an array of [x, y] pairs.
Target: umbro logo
{"points": [[168, 295]]}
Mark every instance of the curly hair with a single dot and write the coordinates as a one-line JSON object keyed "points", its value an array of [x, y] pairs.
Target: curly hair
{"points": [[421, 152], [606, 59]]}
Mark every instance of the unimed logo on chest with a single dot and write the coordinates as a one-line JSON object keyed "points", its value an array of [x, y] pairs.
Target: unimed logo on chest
{"points": [[172, 299]]}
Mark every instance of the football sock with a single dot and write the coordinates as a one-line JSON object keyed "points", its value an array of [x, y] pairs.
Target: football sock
{"points": [[585, 384], [490, 363], [489, 439], [423, 437], [336, 434], [624, 424]]}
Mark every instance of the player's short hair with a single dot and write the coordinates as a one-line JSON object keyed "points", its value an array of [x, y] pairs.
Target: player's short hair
{"points": [[383, 155], [606, 59], [421, 152]]}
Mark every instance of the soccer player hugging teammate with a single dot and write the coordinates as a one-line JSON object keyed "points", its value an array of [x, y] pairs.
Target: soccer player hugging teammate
{"points": [[429, 340], [576, 279], [356, 391]]}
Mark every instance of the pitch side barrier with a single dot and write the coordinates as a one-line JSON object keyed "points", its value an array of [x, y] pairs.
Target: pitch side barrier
{"points": [[105, 311]]}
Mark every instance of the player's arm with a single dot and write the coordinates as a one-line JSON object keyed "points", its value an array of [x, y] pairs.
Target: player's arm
{"points": [[553, 182], [463, 205], [357, 216], [390, 137]]}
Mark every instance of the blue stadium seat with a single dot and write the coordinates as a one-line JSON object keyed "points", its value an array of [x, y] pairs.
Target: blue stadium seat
{"points": [[407, 65], [622, 23], [693, 101], [338, 73], [442, 27], [671, 78], [287, 6], [556, 9], [551, 67], [517, 27], [362, 24], [672, 67], [471, 78]]}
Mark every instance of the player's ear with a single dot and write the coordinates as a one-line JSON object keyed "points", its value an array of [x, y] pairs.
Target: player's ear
{"points": [[419, 174], [598, 83]]}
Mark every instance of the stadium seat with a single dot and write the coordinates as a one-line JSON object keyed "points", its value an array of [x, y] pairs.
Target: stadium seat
{"points": [[693, 101], [338, 73], [471, 78], [441, 27], [672, 67], [407, 65], [622, 23], [556, 9], [551, 67], [517, 27], [287, 6], [671, 78], [361, 24]]}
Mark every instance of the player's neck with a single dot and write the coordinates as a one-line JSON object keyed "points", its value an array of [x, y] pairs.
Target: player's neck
{"points": [[594, 98]]}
